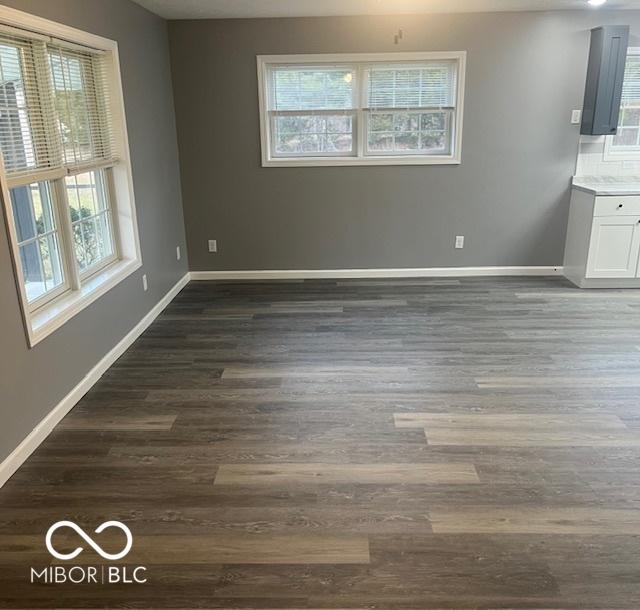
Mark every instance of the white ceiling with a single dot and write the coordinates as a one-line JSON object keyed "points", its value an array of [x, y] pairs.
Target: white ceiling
{"points": [[227, 9]]}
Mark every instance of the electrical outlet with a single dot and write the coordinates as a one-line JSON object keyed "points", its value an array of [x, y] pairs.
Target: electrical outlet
{"points": [[213, 245], [576, 117], [178, 253], [145, 286], [459, 241]]}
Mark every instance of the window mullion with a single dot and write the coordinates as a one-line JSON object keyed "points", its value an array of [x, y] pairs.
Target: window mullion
{"points": [[360, 118], [66, 232]]}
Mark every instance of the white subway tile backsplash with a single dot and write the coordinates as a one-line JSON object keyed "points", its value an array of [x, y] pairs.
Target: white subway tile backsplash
{"points": [[591, 160]]}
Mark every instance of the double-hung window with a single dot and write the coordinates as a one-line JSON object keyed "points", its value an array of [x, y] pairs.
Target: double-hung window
{"points": [[66, 179], [361, 109]]}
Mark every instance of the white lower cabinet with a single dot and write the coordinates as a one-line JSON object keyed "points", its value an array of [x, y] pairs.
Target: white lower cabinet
{"points": [[603, 241], [614, 248]]}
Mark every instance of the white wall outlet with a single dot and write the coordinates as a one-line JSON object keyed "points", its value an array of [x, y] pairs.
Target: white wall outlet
{"points": [[213, 245], [145, 285], [459, 241], [178, 253], [576, 117]]}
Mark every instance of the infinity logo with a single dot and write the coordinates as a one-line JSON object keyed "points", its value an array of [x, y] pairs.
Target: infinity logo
{"points": [[88, 540]]}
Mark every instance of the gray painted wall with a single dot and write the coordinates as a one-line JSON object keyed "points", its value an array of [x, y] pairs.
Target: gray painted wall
{"points": [[33, 381], [525, 73]]}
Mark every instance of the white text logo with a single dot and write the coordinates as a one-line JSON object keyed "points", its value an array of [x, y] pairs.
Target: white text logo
{"points": [[92, 574]]}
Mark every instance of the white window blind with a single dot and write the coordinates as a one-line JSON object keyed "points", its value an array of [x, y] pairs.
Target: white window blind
{"points": [[82, 107], [24, 123], [361, 110], [411, 86], [627, 137], [54, 107], [313, 88]]}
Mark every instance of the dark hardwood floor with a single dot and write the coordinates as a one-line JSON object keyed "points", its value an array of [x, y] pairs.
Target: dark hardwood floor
{"points": [[356, 444]]}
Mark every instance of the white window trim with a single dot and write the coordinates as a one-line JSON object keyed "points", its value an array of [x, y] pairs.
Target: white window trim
{"points": [[616, 154], [46, 319], [455, 158]]}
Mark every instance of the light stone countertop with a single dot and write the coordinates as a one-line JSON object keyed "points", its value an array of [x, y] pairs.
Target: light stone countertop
{"points": [[608, 185]]}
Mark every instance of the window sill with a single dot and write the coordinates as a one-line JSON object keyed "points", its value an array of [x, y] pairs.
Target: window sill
{"points": [[359, 161], [44, 321]]}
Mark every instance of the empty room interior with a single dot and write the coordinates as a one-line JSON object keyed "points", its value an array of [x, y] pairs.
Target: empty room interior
{"points": [[320, 304]]}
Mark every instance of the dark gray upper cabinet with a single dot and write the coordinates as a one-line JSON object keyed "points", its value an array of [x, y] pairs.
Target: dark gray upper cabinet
{"points": [[605, 76]]}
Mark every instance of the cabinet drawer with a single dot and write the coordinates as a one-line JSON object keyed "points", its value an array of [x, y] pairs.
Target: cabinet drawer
{"points": [[617, 206]]}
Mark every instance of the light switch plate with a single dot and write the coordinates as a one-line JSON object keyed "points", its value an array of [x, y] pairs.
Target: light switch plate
{"points": [[213, 245], [459, 241], [576, 117]]}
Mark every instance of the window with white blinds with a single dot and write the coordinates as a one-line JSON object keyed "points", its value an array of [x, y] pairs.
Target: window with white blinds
{"points": [[361, 109], [627, 138], [54, 108], [312, 110], [66, 182]]}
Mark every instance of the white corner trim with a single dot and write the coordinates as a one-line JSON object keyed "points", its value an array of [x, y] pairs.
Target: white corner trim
{"points": [[52, 29], [304, 274], [20, 454]]}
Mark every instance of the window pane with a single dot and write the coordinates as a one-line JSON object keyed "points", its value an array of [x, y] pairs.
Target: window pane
{"points": [[23, 213], [86, 194], [434, 143], [51, 265], [104, 243], [85, 241], [32, 210], [626, 136], [32, 271], [630, 117], [381, 122], [90, 218], [78, 246], [381, 142], [38, 240], [313, 134], [43, 207], [407, 141], [422, 133], [41, 266]]}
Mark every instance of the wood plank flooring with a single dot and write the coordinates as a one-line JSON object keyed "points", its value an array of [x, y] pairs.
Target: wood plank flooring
{"points": [[384, 444]]}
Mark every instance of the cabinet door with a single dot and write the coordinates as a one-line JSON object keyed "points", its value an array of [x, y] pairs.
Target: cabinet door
{"points": [[605, 77], [614, 247]]}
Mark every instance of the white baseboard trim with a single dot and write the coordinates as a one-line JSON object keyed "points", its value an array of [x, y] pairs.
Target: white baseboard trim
{"points": [[19, 455], [305, 274]]}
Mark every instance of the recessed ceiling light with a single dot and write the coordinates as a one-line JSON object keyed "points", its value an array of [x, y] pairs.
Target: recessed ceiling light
{"points": [[596, 2]]}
